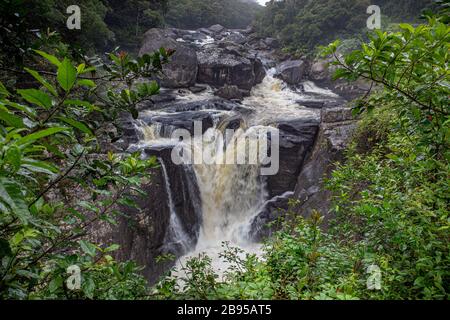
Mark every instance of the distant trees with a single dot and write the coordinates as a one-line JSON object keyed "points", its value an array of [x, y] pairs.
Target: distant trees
{"points": [[200, 13], [304, 24], [110, 23]]}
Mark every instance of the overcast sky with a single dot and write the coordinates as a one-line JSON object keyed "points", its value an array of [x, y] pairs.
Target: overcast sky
{"points": [[262, 2]]}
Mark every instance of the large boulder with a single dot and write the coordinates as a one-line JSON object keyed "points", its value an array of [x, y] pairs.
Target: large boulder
{"points": [[297, 139], [229, 64], [232, 93], [335, 131], [321, 71], [141, 231], [292, 71], [272, 43], [236, 37], [184, 201], [181, 72], [217, 28], [182, 120]]}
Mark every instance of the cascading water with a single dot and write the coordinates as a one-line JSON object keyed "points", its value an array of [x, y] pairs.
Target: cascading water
{"points": [[176, 237], [231, 194]]}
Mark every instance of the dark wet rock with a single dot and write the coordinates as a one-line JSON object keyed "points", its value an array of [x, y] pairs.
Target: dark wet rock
{"points": [[325, 102], [140, 232], [312, 104], [182, 120], [235, 38], [182, 69], [320, 71], [197, 89], [232, 93], [217, 28], [292, 71], [163, 98], [260, 72], [297, 138], [333, 115], [185, 197], [229, 64], [334, 135], [209, 104], [233, 123], [272, 43], [206, 31], [272, 210]]}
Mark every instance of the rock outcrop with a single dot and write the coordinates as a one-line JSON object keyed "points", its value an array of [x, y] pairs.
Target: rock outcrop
{"points": [[291, 71], [232, 92], [320, 71], [336, 129], [181, 72], [334, 133], [229, 64], [214, 56], [140, 231], [296, 141], [184, 197]]}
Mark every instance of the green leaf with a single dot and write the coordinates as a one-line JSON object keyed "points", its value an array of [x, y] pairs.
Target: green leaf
{"points": [[11, 119], [406, 26], [112, 248], [55, 284], [77, 124], [44, 82], [3, 91], [11, 194], [89, 287], [88, 248], [40, 134], [81, 103], [67, 75], [39, 166], [29, 111], [86, 83], [86, 70], [80, 68], [14, 156], [37, 97], [49, 57]]}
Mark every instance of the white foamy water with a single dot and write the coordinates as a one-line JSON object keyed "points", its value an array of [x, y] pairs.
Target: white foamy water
{"points": [[273, 99], [233, 194]]}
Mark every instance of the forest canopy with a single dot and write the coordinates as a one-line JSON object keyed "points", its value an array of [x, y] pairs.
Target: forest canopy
{"points": [[304, 24], [110, 23]]}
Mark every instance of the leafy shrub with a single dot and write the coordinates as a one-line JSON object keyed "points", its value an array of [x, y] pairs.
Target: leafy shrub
{"points": [[58, 177]]}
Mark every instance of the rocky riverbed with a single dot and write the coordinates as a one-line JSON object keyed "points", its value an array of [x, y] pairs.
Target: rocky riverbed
{"points": [[229, 79]]}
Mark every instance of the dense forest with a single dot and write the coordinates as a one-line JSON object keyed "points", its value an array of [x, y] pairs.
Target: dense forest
{"points": [[113, 23], [61, 103], [303, 24]]}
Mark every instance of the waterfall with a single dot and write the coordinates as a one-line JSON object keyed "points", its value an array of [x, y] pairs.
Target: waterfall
{"points": [[176, 237], [231, 194]]}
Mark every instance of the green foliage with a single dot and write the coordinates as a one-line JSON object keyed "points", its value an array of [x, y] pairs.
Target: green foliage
{"points": [[412, 67], [58, 178], [302, 25], [130, 19], [191, 14], [391, 196]]}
